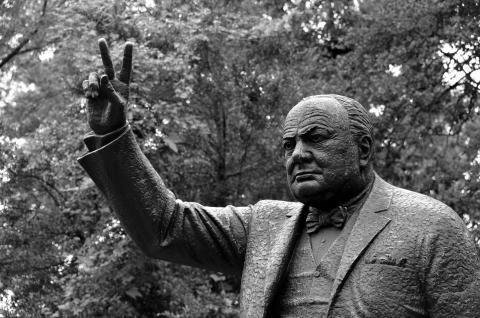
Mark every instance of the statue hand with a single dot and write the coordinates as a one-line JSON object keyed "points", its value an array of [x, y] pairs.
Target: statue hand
{"points": [[107, 95]]}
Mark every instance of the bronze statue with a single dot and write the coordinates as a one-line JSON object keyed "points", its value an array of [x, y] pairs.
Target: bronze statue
{"points": [[353, 246]]}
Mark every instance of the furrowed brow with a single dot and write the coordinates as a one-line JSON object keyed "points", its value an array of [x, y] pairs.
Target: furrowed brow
{"points": [[320, 127], [289, 131]]}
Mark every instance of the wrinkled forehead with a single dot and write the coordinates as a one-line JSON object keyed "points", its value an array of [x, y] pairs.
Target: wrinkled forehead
{"points": [[315, 111]]}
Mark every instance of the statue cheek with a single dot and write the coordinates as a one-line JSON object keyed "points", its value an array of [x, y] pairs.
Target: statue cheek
{"points": [[289, 164], [325, 156]]}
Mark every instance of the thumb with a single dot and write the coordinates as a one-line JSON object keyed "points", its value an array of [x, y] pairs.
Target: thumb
{"points": [[107, 89]]}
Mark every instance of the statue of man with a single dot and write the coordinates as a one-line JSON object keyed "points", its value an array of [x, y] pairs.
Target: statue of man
{"points": [[353, 246]]}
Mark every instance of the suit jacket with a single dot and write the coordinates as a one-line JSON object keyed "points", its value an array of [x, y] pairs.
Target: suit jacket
{"points": [[408, 255]]}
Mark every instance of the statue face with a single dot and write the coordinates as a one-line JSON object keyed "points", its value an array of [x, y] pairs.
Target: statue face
{"points": [[321, 156]]}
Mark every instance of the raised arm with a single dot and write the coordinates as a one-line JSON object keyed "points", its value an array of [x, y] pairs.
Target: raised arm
{"points": [[162, 226]]}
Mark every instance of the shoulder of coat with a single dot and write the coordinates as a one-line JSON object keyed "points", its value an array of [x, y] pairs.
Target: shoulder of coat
{"points": [[415, 207], [276, 208]]}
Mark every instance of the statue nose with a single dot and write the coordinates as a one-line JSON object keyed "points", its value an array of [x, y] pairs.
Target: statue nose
{"points": [[301, 153]]}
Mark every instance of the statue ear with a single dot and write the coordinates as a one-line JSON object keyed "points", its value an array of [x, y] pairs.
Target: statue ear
{"points": [[365, 150]]}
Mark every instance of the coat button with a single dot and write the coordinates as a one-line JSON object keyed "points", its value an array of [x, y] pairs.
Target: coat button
{"points": [[316, 273]]}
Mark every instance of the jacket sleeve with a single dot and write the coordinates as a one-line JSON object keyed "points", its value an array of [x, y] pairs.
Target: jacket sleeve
{"points": [[452, 270], [161, 225]]}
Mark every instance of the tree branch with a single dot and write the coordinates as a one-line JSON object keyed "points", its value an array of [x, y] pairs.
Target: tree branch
{"points": [[47, 186], [24, 42]]}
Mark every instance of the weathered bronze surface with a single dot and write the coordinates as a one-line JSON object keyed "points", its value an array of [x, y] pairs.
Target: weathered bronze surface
{"points": [[400, 254]]}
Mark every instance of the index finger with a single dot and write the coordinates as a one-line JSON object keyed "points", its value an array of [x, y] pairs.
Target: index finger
{"points": [[127, 63], [107, 61]]}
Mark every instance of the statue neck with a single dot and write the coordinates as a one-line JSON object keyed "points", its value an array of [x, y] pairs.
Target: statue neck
{"points": [[363, 188], [361, 196]]}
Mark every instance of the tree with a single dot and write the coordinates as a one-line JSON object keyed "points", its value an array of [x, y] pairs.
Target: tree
{"points": [[212, 83]]}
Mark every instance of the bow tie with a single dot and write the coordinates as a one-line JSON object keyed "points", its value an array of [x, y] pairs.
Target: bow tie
{"points": [[337, 217], [318, 219]]}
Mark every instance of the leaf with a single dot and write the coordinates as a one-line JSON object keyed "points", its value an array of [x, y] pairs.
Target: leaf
{"points": [[217, 278], [170, 144], [133, 293]]}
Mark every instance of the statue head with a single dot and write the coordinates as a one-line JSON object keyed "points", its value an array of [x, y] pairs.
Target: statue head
{"points": [[328, 145]]}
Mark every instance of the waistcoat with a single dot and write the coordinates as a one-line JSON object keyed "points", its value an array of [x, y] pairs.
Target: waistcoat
{"points": [[308, 286]]}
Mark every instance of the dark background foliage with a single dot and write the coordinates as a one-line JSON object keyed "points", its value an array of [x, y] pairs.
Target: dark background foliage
{"points": [[212, 83]]}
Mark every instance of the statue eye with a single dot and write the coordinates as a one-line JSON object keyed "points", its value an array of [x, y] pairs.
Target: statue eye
{"points": [[319, 134], [288, 145], [316, 137]]}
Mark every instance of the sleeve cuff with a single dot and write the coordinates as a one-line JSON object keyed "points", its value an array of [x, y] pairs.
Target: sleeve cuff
{"points": [[94, 142]]}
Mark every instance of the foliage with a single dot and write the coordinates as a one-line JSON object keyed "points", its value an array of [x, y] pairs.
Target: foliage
{"points": [[212, 81]]}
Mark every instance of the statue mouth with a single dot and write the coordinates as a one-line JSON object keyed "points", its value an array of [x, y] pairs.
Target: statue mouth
{"points": [[305, 175]]}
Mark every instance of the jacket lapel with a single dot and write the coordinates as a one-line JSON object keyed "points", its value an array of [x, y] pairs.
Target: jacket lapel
{"points": [[367, 226], [284, 244], [270, 244]]}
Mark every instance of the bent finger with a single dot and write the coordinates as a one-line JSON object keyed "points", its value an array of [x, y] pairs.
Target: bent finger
{"points": [[127, 63], [107, 61], [85, 87], [93, 84]]}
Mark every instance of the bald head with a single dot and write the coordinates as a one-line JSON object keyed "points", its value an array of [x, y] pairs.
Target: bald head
{"points": [[319, 110]]}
